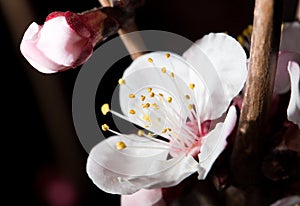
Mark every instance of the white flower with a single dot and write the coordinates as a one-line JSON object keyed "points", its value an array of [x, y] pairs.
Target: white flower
{"points": [[288, 74], [181, 102]]}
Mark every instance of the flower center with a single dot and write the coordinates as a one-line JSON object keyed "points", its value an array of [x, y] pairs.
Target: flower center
{"points": [[155, 108], [164, 109]]}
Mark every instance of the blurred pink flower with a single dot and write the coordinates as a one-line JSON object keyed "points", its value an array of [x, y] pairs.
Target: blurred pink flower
{"points": [[66, 39]]}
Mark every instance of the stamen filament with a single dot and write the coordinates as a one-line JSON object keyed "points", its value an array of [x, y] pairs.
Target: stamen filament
{"points": [[145, 147], [125, 118], [179, 92]]}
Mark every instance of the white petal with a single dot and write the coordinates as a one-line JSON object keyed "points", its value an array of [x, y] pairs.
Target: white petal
{"points": [[282, 80], [221, 61], [293, 111], [142, 74], [290, 40], [288, 200], [144, 197], [215, 142], [131, 169]]}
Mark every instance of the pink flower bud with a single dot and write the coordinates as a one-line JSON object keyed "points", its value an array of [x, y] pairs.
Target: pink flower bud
{"points": [[66, 39]]}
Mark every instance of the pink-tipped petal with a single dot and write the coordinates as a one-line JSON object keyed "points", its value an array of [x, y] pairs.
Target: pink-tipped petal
{"points": [[215, 142], [144, 197], [66, 40], [33, 55]]}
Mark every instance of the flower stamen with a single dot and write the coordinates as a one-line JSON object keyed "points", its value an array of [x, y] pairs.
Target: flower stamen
{"points": [[132, 96], [105, 109], [191, 86], [131, 111], [121, 81], [120, 145]]}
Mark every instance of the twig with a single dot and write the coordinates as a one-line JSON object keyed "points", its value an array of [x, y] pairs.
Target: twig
{"points": [[133, 43], [247, 152]]}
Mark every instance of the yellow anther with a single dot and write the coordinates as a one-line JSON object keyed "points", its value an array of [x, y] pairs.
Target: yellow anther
{"points": [[143, 97], [131, 111], [121, 81], [250, 29], [150, 60], [140, 133], [151, 94], [105, 109], [147, 105], [150, 134], [167, 55], [240, 40], [146, 117], [120, 145], [104, 127], [131, 95], [172, 75], [192, 86], [154, 105], [187, 96], [160, 94], [190, 106], [169, 129], [163, 70], [169, 99], [245, 32], [164, 131], [149, 89]]}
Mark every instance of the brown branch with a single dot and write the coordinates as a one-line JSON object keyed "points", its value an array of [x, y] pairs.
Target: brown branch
{"points": [[247, 152], [133, 43]]}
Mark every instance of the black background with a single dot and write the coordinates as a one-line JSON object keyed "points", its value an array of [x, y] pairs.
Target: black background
{"points": [[42, 159]]}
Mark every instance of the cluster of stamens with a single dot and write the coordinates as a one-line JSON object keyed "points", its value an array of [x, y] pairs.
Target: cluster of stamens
{"points": [[158, 112]]}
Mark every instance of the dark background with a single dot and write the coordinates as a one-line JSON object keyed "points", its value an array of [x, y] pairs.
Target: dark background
{"points": [[43, 162]]}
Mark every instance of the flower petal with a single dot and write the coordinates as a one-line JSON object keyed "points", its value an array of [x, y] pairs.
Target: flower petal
{"points": [[215, 142], [282, 80], [224, 72], [142, 74], [291, 200], [140, 165], [290, 37], [33, 55], [60, 43], [144, 197], [293, 111]]}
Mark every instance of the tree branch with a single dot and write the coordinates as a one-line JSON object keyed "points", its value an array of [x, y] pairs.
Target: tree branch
{"points": [[134, 43], [247, 152]]}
